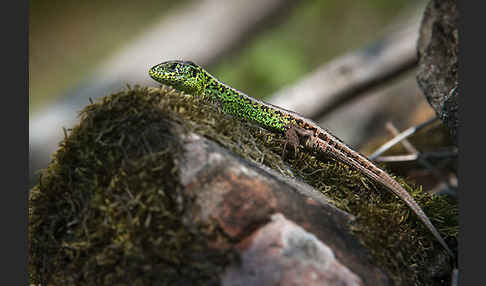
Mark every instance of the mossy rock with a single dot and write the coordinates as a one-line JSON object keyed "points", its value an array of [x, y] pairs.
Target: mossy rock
{"points": [[109, 211]]}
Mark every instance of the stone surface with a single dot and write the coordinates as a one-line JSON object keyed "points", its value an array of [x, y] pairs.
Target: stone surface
{"points": [[282, 253], [438, 48], [308, 243]]}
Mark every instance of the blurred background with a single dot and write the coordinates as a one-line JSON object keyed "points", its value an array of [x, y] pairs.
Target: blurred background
{"points": [[88, 49]]}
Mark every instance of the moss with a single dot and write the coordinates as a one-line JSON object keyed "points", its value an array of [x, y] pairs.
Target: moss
{"points": [[108, 209]]}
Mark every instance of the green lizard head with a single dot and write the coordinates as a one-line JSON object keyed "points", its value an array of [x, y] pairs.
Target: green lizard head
{"points": [[182, 75]]}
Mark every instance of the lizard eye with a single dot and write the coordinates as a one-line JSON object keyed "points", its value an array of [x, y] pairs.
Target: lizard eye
{"points": [[172, 67]]}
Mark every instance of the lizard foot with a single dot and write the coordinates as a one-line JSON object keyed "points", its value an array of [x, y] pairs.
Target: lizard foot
{"points": [[292, 139]]}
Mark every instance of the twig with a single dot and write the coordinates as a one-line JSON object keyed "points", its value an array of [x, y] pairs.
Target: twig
{"points": [[414, 157], [411, 149], [400, 137], [405, 143], [397, 158], [350, 75], [444, 185]]}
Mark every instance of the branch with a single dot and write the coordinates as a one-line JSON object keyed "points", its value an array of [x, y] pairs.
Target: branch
{"points": [[348, 76]]}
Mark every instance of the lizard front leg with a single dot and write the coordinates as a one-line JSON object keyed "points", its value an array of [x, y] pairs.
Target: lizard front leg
{"points": [[295, 136]]}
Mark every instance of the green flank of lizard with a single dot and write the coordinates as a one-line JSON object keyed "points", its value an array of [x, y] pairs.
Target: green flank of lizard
{"points": [[191, 78]]}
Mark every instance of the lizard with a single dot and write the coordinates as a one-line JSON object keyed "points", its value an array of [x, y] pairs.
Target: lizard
{"points": [[192, 79]]}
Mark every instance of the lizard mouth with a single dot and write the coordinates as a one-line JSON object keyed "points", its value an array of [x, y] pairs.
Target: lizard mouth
{"points": [[153, 74], [162, 77]]}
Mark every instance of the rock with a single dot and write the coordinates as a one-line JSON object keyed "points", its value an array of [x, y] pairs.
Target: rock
{"points": [[157, 187], [242, 199], [438, 48], [283, 253]]}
